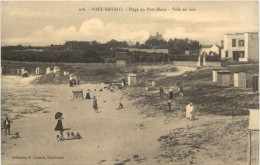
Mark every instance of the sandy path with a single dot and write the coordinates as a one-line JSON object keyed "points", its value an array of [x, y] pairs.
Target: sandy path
{"points": [[181, 70]]}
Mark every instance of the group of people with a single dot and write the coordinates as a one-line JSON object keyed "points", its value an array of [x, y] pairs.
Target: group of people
{"points": [[59, 127], [73, 82], [190, 110], [70, 136]]}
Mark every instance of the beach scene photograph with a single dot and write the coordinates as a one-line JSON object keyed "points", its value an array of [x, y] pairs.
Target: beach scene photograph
{"points": [[129, 83]]}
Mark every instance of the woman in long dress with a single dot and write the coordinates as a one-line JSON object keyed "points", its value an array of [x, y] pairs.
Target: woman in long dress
{"points": [[190, 111], [88, 95], [95, 106], [59, 128]]}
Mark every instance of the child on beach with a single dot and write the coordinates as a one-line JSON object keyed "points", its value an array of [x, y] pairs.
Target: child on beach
{"points": [[78, 136], [57, 138], [121, 106], [68, 136], [72, 135], [16, 135]]}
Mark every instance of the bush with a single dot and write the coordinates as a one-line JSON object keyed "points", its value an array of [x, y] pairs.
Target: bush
{"points": [[184, 58]]}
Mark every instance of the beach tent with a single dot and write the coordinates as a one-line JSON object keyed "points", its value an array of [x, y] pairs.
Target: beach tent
{"points": [[56, 69], [48, 70], [66, 73], [37, 71]]}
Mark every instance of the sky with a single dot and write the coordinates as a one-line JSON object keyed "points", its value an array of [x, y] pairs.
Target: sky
{"points": [[45, 23]]}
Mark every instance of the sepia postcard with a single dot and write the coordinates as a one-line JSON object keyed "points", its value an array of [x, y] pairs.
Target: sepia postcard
{"points": [[128, 83]]}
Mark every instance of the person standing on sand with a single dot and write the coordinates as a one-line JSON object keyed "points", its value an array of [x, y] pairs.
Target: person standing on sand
{"points": [[181, 91], [59, 126], [169, 105], [7, 126], [190, 111], [170, 94], [95, 106], [161, 92]]}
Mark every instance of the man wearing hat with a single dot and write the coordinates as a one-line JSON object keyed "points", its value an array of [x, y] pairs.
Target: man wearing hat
{"points": [[7, 126]]}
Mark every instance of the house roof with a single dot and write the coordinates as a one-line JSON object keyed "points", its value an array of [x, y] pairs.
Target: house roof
{"points": [[241, 33], [121, 56], [206, 46], [209, 46]]}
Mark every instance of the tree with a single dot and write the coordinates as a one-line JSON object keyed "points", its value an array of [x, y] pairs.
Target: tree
{"points": [[137, 44], [91, 56]]}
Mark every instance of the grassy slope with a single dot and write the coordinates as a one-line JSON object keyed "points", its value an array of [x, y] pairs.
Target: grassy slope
{"points": [[199, 89], [222, 140]]}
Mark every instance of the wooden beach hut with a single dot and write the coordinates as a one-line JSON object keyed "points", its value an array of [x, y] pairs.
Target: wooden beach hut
{"points": [[253, 138], [240, 80], [77, 95], [223, 78], [132, 79], [215, 75]]}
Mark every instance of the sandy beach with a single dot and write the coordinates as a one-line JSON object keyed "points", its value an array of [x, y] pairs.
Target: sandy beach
{"points": [[112, 136]]}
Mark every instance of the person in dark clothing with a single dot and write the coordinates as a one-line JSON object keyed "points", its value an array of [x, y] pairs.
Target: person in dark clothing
{"points": [[95, 106], [78, 82], [71, 83], [59, 128], [169, 105], [88, 95], [170, 94], [123, 82], [7, 126], [161, 92]]}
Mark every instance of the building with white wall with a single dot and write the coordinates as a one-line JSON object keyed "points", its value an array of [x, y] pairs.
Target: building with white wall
{"points": [[210, 49], [241, 46]]}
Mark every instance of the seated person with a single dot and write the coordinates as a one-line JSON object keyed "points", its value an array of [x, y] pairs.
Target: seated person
{"points": [[57, 138], [68, 136], [72, 135], [121, 106], [78, 136]]}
